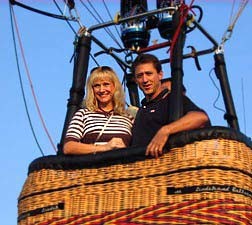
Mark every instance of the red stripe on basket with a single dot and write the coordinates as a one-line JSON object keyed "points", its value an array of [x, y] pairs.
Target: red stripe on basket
{"points": [[189, 212]]}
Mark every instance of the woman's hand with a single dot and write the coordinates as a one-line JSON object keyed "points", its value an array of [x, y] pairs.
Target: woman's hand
{"points": [[115, 143]]}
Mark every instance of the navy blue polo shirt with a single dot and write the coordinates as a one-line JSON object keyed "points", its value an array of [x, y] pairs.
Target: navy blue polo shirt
{"points": [[153, 115]]}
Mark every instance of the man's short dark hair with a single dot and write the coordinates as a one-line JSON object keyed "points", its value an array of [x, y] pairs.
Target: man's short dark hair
{"points": [[170, 79], [147, 58]]}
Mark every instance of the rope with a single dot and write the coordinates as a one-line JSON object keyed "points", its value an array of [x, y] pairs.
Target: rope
{"points": [[110, 16], [62, 13], [99, 19], [21, 82], [218, 92], [31, 84], [228, 33], [13, 2], [184, 10]]}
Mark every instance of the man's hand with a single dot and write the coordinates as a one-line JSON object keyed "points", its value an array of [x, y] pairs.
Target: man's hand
{"points": [[155, 147], [190, 121]]}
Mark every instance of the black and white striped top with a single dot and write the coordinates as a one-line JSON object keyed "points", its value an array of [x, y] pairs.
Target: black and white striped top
{"points": [[86, 126]]}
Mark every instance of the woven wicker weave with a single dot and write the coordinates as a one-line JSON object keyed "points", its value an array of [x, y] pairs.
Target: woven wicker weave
{"points": [[204, 182]]}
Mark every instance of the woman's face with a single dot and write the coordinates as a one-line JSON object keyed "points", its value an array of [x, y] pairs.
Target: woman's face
{"points": [[104, 90]]}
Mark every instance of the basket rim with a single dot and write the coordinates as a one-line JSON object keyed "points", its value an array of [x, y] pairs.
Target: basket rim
{"points": [[133, 154]]}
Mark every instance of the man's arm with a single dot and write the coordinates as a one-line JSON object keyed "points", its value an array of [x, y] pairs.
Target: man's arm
{"points": [[191, 120]]}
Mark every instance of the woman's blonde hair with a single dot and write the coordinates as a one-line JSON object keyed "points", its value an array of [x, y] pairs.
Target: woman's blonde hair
{"points": [[104, 72]]}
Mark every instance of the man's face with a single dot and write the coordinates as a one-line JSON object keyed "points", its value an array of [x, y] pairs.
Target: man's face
{"points": [[148, 79]]}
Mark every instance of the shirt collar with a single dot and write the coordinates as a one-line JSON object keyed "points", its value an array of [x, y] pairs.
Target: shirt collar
{"points": [[161, 95]]}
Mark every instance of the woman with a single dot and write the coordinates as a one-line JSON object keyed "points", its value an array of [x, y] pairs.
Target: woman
{"points": [[103, 124]]}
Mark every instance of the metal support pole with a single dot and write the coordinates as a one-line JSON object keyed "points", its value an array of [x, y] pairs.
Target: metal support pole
{"points": [[77, 90], [133, 90], [176, 106], [221, 73]]}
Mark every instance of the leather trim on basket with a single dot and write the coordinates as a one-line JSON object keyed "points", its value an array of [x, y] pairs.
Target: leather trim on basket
{"points": [[50, 208], [132, 154]]}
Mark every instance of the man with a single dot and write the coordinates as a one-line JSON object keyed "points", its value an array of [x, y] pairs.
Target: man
{"points": [[166, 84], [152, 127]]}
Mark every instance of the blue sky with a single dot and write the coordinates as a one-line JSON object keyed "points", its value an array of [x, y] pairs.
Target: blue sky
{"points": [[48, 47]]}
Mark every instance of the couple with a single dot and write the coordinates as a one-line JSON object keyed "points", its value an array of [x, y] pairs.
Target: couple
{"points": [[104, 124]]}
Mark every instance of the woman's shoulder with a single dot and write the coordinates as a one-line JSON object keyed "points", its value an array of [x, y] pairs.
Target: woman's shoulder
{"points": [[124, 117], [82, 111], [132, 111]]}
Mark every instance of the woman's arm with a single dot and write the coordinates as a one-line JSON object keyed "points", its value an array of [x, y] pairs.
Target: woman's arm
{"points": [[77, 148]]}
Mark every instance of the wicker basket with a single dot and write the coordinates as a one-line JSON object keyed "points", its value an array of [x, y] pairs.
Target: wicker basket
{"points": [[202, 182]]}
